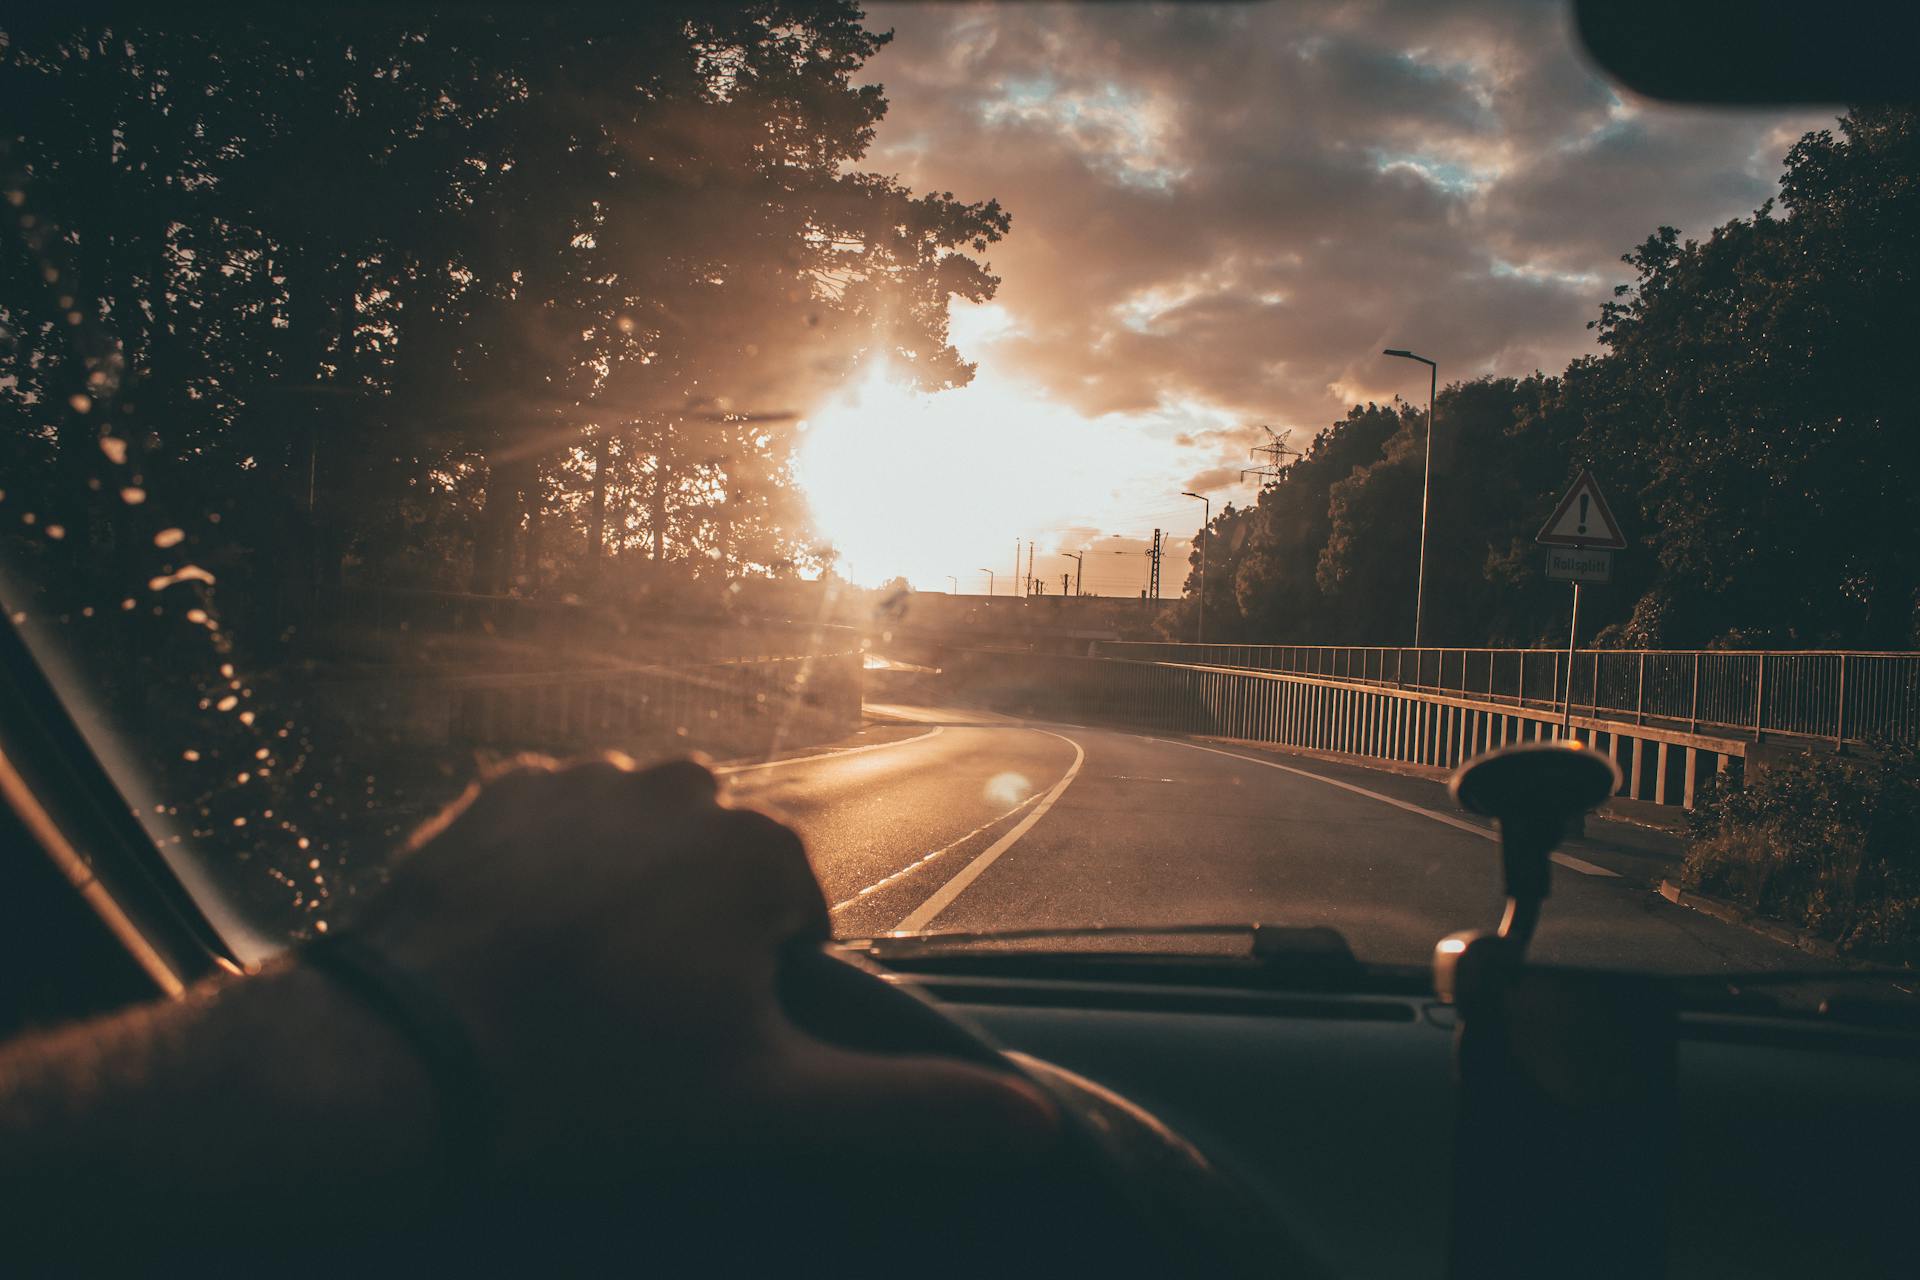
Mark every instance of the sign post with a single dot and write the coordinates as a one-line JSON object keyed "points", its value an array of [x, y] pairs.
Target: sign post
{"points": [[1580, 536]]}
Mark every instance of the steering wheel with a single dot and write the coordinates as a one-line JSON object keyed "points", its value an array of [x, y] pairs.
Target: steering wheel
{"points": [[1123, 1183]]}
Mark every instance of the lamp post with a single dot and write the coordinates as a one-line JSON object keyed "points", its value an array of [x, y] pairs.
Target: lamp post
{"points": [[953, 585], [989, 574], [1426, 486], [1206, 524], [1079, 563]]}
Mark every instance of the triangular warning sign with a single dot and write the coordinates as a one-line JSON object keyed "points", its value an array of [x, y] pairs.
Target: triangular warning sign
{"points": [[1583, 519]]}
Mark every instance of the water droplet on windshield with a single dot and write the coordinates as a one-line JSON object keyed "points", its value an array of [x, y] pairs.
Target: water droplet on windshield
{"points": [[227, 703], [169, 538], [186, 573], [56, 531], [133, 495], [189, 754], [80, 403], [115, 448]]}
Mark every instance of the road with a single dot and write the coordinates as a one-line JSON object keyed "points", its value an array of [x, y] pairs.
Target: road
{"points": [[973, 821]]}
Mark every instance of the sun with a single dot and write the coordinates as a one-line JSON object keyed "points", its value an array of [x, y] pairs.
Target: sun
{"points": [[938, 488], [929, 486]]}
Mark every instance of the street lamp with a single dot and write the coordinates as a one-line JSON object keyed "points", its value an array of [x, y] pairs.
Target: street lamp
{"points": [[1079, 562], [1205, 524], [1426, 485], [989, 574], [953, 585]]}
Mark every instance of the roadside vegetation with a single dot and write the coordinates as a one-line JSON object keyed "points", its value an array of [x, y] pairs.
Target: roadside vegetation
{"points": [[1824, 842], [330, 313]]}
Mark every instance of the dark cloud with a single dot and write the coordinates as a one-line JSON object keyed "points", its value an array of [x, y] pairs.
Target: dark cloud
{"points": [[1236, 207]]}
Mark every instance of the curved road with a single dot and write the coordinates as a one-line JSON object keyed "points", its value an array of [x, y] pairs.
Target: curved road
{"points": [[972, 821]]}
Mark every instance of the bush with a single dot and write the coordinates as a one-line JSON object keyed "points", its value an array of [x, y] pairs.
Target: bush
{"points": [[1829, 843]]}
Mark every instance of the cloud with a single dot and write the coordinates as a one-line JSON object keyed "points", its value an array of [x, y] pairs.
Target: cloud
{"points": [[1229, 210], [1214, 478]]}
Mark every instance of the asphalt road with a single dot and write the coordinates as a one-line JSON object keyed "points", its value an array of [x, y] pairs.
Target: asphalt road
{"points": [[971, 821]]}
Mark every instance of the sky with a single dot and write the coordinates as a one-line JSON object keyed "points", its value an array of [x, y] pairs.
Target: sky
{"points": [[1221, 215]]}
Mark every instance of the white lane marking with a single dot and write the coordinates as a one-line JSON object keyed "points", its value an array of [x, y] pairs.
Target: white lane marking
{"points": [[911, 867], [934, 732], [1564, 859], [944, 896], [1583, 866]]}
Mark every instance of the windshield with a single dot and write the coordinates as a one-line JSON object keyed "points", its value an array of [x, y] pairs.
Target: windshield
{"points": [[1082, 465]]}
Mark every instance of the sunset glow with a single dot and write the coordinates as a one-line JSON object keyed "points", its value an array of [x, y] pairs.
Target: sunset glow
{"points": [[932, 486]]}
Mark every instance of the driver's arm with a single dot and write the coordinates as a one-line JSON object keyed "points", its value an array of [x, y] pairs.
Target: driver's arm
{"points": [[607, 938]]}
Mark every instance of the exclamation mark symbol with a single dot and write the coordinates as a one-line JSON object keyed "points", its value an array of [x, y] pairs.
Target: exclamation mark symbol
{"points": [[1583, 512]]}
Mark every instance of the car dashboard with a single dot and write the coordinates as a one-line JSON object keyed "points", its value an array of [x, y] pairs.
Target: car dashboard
{"points": [[1791, 1144]]}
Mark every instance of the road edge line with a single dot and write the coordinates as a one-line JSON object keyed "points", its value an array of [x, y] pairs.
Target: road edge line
{"points": [[943, 897], [926, 860], [1564, 859]]}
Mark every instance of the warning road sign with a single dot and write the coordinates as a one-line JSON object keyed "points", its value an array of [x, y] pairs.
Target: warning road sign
{"points": [[1583, 519]]}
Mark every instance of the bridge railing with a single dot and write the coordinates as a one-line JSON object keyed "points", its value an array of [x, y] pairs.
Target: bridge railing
{"points": [[1841, 695]]}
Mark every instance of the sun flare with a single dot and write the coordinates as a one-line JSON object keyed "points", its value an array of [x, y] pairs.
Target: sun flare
{"points": [[939, 486]]}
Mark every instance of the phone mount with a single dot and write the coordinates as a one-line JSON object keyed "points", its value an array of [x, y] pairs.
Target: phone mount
{"points": [[1534, 791], [1565, 1077]]}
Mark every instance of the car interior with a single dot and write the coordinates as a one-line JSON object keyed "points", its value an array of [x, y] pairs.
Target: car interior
{"points": [[1251, 1099]]}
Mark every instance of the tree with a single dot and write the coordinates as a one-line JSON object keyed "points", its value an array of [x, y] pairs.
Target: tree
{"points": [[436, 300], [1747, 413]]}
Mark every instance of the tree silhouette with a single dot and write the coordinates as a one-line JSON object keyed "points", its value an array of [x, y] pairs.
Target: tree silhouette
{"points": [[1747, 412]]}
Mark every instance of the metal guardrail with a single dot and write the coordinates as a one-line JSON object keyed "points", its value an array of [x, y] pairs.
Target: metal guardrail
{"points": [[1844, 696], [738, 701], [546, 625], [725, 707]]}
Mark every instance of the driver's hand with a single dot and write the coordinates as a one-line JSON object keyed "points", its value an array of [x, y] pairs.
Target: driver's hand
{"points": [[611, 936]]}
